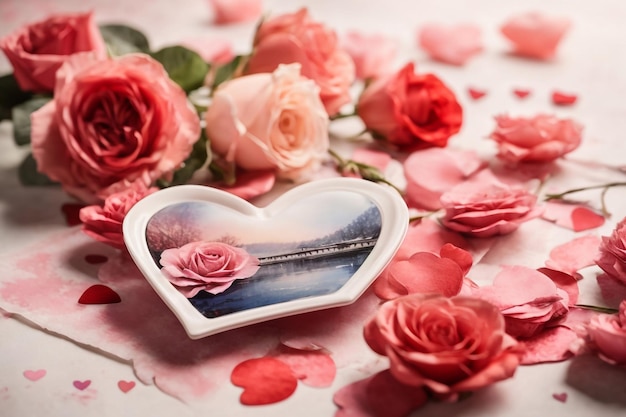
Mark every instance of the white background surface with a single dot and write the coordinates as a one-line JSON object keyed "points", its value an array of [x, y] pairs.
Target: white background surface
{"points": [[591, 62]]}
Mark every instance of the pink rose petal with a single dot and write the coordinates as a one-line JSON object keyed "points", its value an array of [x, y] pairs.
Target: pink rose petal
{"points": [[521, 93], [574, 255], [371, 157], [265, 380], [233, 11], [34, 375], [613, 291], [313, 368], [535, 35], [562, 397], [251, 184], [475, 93], [451, 44], [373, 54], [551, 345], [564, 281], [575, 217], [563, 99]]}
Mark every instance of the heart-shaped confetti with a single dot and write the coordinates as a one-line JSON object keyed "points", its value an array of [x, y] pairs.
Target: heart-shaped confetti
{"points": [[125, 386], [562, 397], [71, 212], [521, 93], [265, 380], [563, 99], [81, 385], [585, 219], [34, 375], [99, 294], [475, 93], [95, 259]]}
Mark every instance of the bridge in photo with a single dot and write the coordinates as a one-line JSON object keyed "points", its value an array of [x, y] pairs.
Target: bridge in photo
{"points": [[320, 251]]}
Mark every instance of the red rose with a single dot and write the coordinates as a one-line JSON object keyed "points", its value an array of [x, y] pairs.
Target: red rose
{"points": [[38, 50], [411, 110]]}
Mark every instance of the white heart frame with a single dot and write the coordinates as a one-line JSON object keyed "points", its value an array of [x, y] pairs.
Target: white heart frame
{"points": [[394, 219]]}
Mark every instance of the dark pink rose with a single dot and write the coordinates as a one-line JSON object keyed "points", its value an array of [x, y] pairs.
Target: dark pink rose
{"points": [[112, 122], [485, 207], [412, 111], [446, 345], [541, 138], [38, 50], [104, 223], [295, 37], [206, 266], [607, 333], [612, 257], [535, 35]]}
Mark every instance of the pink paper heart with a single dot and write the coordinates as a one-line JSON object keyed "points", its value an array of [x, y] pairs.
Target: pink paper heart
{"points": [[34, 375], [265, 380], [99, 294], [584, 219], [81, 385], [562, 397], [125, 386]]}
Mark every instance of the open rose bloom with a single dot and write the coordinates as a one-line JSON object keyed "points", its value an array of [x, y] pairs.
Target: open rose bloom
{"points": [[607, 333], [445, 345], [612, 257], [541, 138], [206, 266], [112, 122], [38, 50], [296, 38], [270, 121]]}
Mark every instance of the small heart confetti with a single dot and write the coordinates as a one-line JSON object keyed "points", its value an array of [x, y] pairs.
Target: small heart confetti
{"points": [[70, 211], [99, 294], [94, 259], [563, 99], [521, 93], [125, 386], [562, 397], [585, 219], [81, 385], [475, 93], [34, 375]]}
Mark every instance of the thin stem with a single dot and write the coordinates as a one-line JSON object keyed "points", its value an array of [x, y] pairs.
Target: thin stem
{"points": [[367, 172], [605, 212], [605, 310], [576, 190]]}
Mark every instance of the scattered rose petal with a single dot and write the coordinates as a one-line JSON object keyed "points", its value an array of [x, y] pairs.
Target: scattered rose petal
{"points": [[95, 259], [613, 290], [574, 255], [371, 157], [373, 54], [81, 385], [125, 386], [34, 375], [562, 397], [576, 217], [99, 294], [566, 282], [476, 93], [563, 99], [71, 212], [251, 184], [450, 44], [313, 368], [265, 380], [233, 11], [535, 35], [551, 345], [521, 93]]}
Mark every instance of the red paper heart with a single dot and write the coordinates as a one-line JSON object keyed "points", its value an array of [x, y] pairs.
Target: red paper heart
{"points": [[125, 386], [521, 93], [99, 294], [584, 219], [94, 259], [81, 385], [70, 211], [265, 380], [34, 375], [560, 397], [563, 99], [475, 93]]}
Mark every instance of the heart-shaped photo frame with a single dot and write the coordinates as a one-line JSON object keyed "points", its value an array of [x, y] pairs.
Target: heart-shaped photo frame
{"points": [[219, 262]]}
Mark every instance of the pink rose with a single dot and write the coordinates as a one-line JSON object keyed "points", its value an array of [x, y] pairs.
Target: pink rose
{"points": [[409, 110], [535, 35], [446, 345], [232, 11], [104, 223], [112, 122], [450, 44], [607, 334], [206, 266], [269, 121], [612, 257], [542, 138], [38, 50], [373, 55], [295, 37], [485, 207]]}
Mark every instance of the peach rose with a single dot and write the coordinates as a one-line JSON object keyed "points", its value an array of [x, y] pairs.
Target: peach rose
{"points": [[541, 138], [535, 35], [607, 334], [446, 345], [612, 257], [232, 11], [269, 121], [295, 37], [409, 110], [104, 223], [112, 122], [485, 207], [373, 54], [206, 266], [38, 50]]}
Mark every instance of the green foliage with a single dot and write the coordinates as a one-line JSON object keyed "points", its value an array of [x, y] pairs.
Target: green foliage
{"points": [[194, 162], [122, 39], [227, 71], [29, 175], [21, 118], [11, 95], [185, 67]]}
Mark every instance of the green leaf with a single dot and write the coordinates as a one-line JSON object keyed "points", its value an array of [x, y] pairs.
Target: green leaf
{"points": [[29, 175], [11, 95], [195, 161], [226, 71], [21, 118], [122, 39], [185, 67]]}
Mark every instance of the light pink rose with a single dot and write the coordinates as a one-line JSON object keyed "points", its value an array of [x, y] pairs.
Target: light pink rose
{"points": [[485, 207], [373, 54], [206, 266], [232, 11], [535, 35], [607, 335], [112, 122], [269, 121], [446, 345], [38, 50], [612, 257], [295, 37], [541, 138], [450, 44], [104, 223], [411, 111]]}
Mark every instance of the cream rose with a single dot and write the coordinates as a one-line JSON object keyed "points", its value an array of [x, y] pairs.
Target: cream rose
{"points": [[269, 121]]}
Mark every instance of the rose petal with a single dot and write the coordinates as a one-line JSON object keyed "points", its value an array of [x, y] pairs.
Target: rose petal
{"points": [[265, 380], [552, 345], [575, 217], [574, 255], [563, 99], [521, 93], [453, 45], [251, 184], [475, 93], [313, 368], [613, 291], [99, 294]]}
